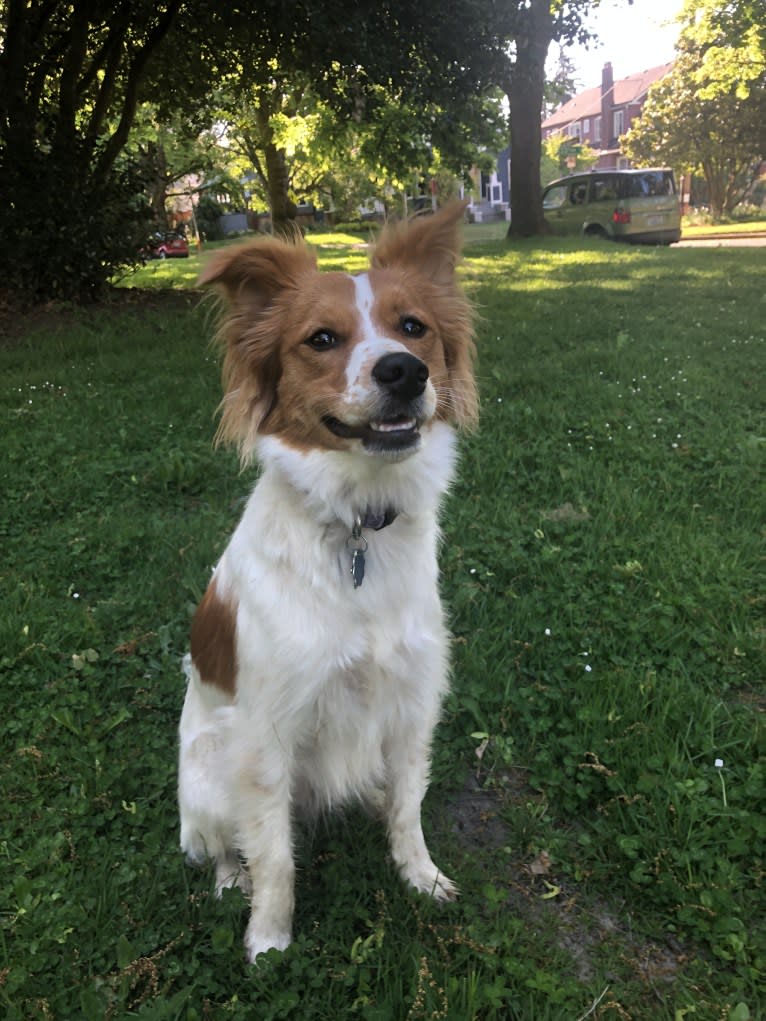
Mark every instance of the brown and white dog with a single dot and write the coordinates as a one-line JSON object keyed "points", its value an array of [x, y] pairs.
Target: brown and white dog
{"points": [[319, 655]]}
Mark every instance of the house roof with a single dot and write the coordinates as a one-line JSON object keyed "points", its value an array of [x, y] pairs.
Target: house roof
{"points": [[588, 103]]}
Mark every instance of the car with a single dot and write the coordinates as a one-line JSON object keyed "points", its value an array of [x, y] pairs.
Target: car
{"points": [[639, 206], [167, 245]]}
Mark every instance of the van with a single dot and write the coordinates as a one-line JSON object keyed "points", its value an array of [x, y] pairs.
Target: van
{"points": [[640, 206]]}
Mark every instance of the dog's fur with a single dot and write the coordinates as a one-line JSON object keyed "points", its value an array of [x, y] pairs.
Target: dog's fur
{"points": [[303, 690]]}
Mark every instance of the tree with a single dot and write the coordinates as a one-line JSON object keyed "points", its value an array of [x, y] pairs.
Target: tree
{"points": [[560, 88], [562, 154], [71, 76], [286, 135], [531, 26], [731, 40], [170, 148], [700, 119]]}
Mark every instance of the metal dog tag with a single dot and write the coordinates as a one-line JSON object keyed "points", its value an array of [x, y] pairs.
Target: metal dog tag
{"points": [[357, 567], [357, 544]]}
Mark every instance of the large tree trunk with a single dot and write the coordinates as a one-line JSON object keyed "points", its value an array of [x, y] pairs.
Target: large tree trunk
{"points": [[274, 173], [283, 209], [525, 94]]}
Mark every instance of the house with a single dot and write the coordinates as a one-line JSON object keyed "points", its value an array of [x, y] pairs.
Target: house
{"points": [[601, 114], [491, 191]]}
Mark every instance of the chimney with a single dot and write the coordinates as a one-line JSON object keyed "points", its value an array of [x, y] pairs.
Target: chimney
{"points": [[607, 104]]}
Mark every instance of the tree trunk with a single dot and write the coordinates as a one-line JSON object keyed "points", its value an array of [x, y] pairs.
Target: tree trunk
{"points": [[276, 174], [283, 209], [526, 90]]}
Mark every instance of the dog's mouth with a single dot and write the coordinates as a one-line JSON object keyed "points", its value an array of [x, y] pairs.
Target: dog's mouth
{"points": [[396, 432]]}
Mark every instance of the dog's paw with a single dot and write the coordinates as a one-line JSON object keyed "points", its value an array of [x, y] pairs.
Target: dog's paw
{"points": [[430, 880], [260, 941]]}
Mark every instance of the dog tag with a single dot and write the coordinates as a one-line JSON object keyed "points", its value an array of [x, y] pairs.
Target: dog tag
{"points": [[357, 567], [357, 544]]}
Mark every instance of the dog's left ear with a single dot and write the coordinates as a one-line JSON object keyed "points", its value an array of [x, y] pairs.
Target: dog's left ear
{"points": [[429, 243]]}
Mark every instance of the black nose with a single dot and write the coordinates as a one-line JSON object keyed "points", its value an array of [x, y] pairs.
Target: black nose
{"points": [[402, 374]]}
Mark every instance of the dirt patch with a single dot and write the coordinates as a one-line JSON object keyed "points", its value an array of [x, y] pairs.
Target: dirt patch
{"points": [[566, 513], [596, 936]]}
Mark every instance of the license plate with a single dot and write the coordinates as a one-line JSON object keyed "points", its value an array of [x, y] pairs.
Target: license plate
{"points": [[655, 221]]}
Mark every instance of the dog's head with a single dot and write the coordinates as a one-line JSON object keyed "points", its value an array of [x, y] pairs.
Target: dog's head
{"points": [[339, 362]]}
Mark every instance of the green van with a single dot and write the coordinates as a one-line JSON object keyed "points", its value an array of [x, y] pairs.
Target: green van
{"points": [[624, 205]]}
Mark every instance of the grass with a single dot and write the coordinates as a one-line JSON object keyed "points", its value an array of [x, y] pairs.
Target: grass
{"points": [[601, 563], [691, 230]]}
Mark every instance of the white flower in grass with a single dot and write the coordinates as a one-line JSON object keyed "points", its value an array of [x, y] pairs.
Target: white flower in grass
{"points": [[718, 763], [588, 668]]}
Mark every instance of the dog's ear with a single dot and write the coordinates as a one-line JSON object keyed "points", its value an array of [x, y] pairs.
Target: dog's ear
{"points": [[428, 243], [251, 279], [430, 246]]}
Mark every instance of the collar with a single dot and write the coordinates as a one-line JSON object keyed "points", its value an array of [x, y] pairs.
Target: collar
{"points": [[356, 544], [377, 519]]}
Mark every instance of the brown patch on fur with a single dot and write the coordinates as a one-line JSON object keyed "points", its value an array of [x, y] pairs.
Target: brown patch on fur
{"points": [[429, 248], [258, 281], [214, 640]]}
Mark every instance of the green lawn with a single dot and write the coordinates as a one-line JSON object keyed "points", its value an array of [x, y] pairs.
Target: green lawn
{"points": [[603, 565], [711, 230]]}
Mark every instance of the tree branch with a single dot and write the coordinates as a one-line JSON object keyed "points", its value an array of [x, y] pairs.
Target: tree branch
{"points": [[135, 78]]}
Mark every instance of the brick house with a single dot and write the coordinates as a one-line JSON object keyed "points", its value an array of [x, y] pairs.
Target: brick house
{"points": [[600, 115]]}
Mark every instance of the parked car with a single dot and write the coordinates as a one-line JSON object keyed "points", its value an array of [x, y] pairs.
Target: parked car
{"points": [[640, 206], [167, 245]]}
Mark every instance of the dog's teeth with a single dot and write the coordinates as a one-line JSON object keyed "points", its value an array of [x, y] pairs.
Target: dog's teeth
{"points": [[390, 427]]}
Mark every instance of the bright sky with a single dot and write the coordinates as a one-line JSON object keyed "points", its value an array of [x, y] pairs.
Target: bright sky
{"points": [[633, 38]]}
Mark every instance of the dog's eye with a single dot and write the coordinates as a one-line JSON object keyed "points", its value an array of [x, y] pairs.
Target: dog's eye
{"points": [[322, 340], [412, 327]]}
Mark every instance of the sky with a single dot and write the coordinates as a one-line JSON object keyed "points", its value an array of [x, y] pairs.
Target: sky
{"points": [[633, 38]]}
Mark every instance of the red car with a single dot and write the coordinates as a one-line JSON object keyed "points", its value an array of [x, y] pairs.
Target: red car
{"points": [[167, 245]]}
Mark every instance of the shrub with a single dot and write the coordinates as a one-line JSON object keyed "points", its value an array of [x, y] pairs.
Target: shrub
{"points": [[208, 215], [71, 231]]}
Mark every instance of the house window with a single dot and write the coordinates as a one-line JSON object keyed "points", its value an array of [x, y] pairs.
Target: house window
{"points": [[574, 130], [596, 129], [619, 123], [586, 126]]}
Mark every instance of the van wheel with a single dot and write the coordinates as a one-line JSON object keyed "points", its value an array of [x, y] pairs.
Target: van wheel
{"points": [[598, 233]]}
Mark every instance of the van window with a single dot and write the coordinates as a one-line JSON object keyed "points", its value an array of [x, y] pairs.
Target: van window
{"points": [[555, 197], [579, 193], [604, 189], [653, 182]]}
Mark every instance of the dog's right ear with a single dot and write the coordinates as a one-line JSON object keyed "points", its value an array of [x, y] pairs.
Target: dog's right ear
{"points": [[251, 279]]}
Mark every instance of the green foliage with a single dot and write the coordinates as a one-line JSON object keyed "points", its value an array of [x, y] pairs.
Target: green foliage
{"points": [[208, 214], [557, 150], [606, 597], [732, 40], [708, 116], [64, 236]]}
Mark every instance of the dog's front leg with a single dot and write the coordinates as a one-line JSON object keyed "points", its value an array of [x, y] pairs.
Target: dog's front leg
{"points": [[265, 841], [407, 780]]}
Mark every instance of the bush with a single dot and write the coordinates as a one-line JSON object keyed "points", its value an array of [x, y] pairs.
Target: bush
{"points": [[357, 227], [71, 233], [208, 215]]}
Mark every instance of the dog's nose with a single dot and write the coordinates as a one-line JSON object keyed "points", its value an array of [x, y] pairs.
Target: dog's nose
{"points": [[402, 374]]}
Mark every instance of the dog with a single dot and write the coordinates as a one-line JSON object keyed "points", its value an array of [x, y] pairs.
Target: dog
{"points": [[319, 652]]}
